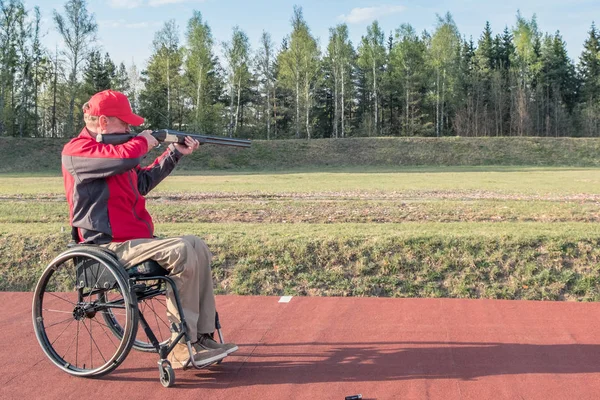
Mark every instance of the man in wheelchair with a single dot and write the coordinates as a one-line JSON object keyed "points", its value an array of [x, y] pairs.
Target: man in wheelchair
{"points": [[105, 187]]}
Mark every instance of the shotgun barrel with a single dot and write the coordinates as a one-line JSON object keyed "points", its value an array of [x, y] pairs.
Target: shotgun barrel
{"points": [[171, 136]]}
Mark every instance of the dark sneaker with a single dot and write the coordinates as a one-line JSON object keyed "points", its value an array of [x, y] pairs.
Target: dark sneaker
{"points": [[180, 356], [206, 341]]}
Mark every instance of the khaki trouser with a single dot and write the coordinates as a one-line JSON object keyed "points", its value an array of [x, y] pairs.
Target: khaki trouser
{"points": [[187, 258]]}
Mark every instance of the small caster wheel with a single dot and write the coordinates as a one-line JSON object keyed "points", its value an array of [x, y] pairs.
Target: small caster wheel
{"points": [[167, 375]]}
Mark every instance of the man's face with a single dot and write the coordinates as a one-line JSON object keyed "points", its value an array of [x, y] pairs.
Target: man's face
{"points": [[113, 125]]}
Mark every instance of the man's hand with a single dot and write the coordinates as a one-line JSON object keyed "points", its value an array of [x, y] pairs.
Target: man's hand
{"points": [[152, 142], [189, 146]]}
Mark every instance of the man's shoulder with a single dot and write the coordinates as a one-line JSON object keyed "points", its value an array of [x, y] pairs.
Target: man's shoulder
{"points": [[78, 144]]}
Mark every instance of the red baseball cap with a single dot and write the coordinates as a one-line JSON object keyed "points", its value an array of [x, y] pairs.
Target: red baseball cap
{"points": [[111, 103]]}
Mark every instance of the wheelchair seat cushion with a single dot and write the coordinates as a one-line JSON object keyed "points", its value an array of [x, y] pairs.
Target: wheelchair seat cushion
{"points": [[147, 268]]}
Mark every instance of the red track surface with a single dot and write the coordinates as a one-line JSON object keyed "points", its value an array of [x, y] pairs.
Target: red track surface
{"points": [[329, 348]]}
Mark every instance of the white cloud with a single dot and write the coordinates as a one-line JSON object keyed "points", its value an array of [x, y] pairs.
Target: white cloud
{"points": [[158, 3], [129, 4], [125, 3], [121, 23], [370, 13]]}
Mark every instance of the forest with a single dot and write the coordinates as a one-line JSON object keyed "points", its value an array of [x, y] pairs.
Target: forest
{"points": [[515, 82]]}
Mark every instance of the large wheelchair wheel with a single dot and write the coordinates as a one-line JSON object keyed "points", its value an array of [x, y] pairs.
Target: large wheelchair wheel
{"points": [[152, 304], [73, 294]]}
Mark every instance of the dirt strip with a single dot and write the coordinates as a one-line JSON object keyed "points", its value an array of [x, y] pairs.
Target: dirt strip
{"points": [[425, 195]]}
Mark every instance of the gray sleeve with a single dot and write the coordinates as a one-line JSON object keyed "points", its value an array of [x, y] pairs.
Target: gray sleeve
{"points": [[85, 169], [149, 177]]}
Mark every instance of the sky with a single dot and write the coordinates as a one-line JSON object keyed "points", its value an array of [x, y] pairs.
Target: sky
{"points": [[126, 28]]}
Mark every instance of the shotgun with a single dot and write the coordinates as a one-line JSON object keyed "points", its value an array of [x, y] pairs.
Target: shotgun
{"points": [[171, 136]]}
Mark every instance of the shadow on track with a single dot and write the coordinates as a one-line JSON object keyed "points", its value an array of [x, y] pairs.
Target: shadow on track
{"points": [[301, 363]]}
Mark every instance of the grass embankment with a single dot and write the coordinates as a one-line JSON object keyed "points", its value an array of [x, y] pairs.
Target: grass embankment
{"points": [[514, 233], [42, 156], [469, 260]]}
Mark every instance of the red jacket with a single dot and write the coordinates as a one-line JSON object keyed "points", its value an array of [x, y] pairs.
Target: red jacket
{"points": [[105, 187]]}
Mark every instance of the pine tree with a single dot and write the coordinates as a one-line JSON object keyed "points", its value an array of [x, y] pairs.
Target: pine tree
{"points": [[95, 76], [120, 80], [589, 67], [589, 77]]}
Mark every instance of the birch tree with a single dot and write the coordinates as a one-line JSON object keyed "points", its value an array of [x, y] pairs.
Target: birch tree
{"points": [[200, 66], [162, 100], [237, 54], [371, 59], [525, 65], [291, 70], [11, 20], [266, 73], [78, 29], [340, 57], [445, 45], [408, 56]]}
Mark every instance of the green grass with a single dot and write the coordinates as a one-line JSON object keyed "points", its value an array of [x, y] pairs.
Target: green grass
{"points": [[536, 261], [478, 218], [43, 155], [509, 180]]}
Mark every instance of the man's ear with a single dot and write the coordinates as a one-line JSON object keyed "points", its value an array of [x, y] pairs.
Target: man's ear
{"points": [[102, 122]]}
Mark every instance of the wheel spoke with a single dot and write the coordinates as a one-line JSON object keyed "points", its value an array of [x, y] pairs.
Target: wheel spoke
{"points": [[157, 324], [106, 333], [69, 348], [58, 297], [60, 322], [89, 287], [157, 317], [58, 337], [92, 344], [57, 311], [77, 348]]}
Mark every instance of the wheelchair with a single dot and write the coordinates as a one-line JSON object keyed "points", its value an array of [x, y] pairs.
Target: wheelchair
{"points": [[87, 309]]}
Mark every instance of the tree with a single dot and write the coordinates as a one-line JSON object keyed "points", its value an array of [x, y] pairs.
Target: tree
{"points": [[161, 100], [407, 63], [264, 61], [120, 80], [557, 84], [201, 75], [299, 68], [135, 87], [371, 59], [96, 75], [78, 30], [525, 66], [339, 57], [445, 46], [40, 66], [481, 82], [283, 96], [11, 22], [589, 66], [589, 76], [237, 54]]}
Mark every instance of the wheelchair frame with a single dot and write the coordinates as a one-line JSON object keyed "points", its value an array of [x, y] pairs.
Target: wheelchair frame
{"points": [[96, 274]]}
